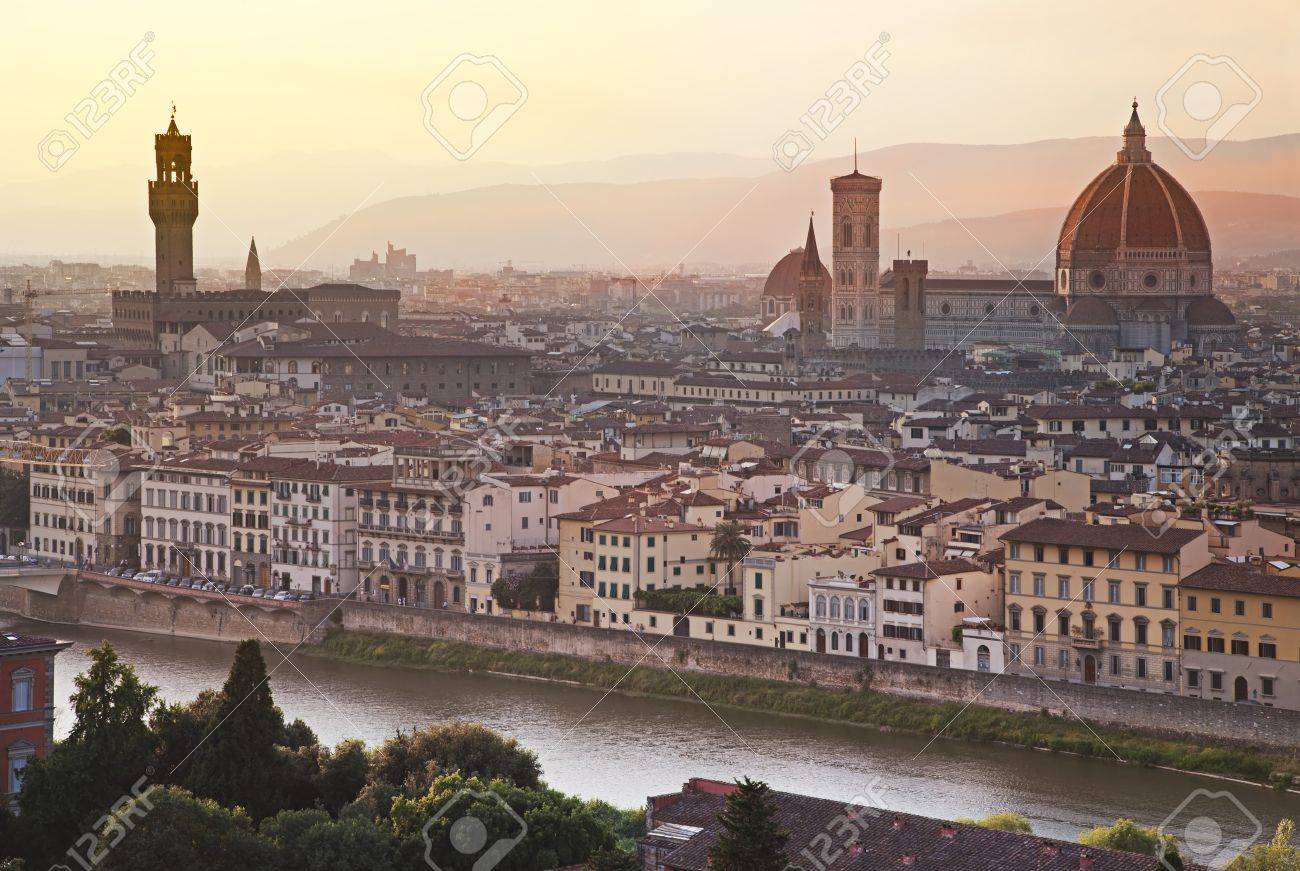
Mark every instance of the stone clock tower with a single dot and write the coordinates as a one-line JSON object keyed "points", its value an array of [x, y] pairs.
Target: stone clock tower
{"points": [[173, 208], [855, 254]]}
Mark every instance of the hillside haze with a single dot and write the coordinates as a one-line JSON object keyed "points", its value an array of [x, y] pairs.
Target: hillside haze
{"points": [[1011, 197]]}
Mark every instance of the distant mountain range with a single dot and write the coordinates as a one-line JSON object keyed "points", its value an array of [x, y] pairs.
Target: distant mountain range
{"points": [[1012, 198], [650, 210]]}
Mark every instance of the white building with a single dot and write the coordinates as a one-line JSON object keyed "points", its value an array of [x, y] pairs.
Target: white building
{"points": [[841, 615]]}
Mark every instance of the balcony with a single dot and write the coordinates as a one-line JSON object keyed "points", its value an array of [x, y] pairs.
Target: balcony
{"points": [[1087, 639]]}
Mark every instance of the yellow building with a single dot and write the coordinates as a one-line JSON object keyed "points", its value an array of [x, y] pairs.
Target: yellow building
{"points": [[1098, 604], [1241, 635], [605, 560]]}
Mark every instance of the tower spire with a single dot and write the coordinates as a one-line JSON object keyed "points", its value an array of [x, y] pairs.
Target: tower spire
{"points": [[855, 155], [253, 268], [812, 262]]}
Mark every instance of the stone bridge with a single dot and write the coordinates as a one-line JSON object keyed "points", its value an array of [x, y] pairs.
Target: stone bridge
{"points": [[86, 598]]}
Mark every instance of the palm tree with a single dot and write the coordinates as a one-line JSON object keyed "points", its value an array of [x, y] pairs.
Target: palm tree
{"points": [[729, 545]]}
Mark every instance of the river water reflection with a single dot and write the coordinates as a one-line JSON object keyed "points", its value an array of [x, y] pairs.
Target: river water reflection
{"points": [[628, 748]]}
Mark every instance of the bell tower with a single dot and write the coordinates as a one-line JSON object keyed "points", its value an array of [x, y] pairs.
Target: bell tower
{"points": [[173, 208]]}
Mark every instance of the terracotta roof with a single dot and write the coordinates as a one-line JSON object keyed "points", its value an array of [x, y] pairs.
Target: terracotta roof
{"points": [[1118, 536], [1236, 578]]}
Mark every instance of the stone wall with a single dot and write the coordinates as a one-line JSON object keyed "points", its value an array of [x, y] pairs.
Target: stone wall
{"points": [[143, 608], [136, 607], [1270, 728]]}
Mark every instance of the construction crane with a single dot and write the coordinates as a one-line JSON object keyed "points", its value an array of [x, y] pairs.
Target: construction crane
{"points": [[28, 298]]}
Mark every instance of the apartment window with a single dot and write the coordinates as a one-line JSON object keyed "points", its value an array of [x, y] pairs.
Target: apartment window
{"points": [[1087, 558], [1063, 623], [650, 565], [1216, 605], [1087, 590], [1062, 554], [1191, 603], [1114, 665], [1038, 553], [1040, 656], [1014, 614], [1140, 595], [1114, 625], [1193, 678], [1267, 650], [1169, 671], [1266, 610], [1266, 686], [1140, 562], [1191, 642], [1013, 582], [1240, 647], [1063, 659], [1214, 644], [1015, 652], [22, 695], [1112, 592], [1239, 608], [1141, 667], [1216, 680], [1014, 551], [1140, 631], [1040, 622], [1040, 585], [525, 496]]}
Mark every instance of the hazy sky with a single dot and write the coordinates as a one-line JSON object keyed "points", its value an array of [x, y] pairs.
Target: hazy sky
{"points": [[608, 79], [296, 107]]}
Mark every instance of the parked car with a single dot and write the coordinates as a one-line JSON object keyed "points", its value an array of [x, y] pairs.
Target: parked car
{"points": [[246, 590], [306, 597], [259, 593]]}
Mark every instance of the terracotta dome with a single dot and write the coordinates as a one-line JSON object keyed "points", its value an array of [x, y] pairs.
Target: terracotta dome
{"points": [[1133, 204], [783, 280], [1209, 311], [1091, 312]]}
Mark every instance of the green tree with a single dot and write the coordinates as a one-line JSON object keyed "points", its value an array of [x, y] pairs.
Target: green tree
{"points": [[342, 774], [120, 435], [169, 828], [557, 830], [472, 749], [236, 762], [1279, 854], [534, 592], [612, 859], [1130, 837], [729, 545], [108, 750], [308, 840], [749, 839], [15, 499], [1010, 822]]}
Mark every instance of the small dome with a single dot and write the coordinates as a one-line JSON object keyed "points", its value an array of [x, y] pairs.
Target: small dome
{"points": [[1091, 312], [783, 281], [1210, 311]]}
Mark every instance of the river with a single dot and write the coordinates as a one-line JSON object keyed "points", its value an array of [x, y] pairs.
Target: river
{"points": [[622, 749]]}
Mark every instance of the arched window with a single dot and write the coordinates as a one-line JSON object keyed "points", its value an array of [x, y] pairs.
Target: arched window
{"points": [[835, 608], [847, 234], [488, 501], [421, 558], [293, 367], [864, 610], [821, 607], [848, 641]]}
